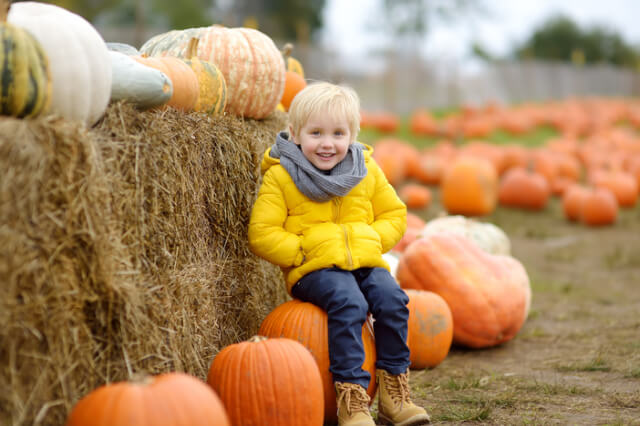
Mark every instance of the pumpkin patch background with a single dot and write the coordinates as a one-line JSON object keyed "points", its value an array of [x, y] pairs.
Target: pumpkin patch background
{"points": [[123, 247]]}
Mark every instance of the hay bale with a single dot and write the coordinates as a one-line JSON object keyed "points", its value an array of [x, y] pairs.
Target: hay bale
{"points": [[123, 250]]}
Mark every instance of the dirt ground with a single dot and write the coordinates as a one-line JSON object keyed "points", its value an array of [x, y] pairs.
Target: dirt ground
{"points": [[577, 358]]}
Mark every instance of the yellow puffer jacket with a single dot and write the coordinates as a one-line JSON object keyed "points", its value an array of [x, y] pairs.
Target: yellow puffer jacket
{"points": [[301, 236]]}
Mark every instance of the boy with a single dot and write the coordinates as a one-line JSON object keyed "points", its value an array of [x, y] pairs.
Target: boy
{"points": [[325, 214]]}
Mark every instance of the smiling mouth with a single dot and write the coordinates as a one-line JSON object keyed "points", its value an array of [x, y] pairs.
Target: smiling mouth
{"points": [[325, 155]]}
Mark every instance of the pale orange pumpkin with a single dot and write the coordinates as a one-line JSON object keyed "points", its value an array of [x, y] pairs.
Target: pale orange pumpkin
{"points": [[470, 187], [268, 382], [168, 399], [307, 324], [430, 328], [489, 295]]}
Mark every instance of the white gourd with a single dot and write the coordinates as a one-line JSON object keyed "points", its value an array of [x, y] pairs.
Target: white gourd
{"points": [[485, 235], [78, 59], [143, 86]]}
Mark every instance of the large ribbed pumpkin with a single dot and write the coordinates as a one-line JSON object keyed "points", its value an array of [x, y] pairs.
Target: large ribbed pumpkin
{"points": [[489, 295], [79, 60], [307, 324], [171, 399], [430, 328], [264, 381], [251, 63], [25, 89]]}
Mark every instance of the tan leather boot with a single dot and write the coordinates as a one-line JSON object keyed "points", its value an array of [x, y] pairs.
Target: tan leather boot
{"points": [[353, 405], [395, 406]]}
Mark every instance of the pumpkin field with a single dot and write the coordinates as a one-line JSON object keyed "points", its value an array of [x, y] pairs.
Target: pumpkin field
{"points": [[576, 359], [131, 295]]}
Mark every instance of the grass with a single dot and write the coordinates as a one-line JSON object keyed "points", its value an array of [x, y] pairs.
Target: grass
{"points": [[535, 138], [598, 363]]}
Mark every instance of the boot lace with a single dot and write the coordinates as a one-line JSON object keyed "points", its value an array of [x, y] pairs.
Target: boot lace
{"points": [[398, 387], [354, 396]]}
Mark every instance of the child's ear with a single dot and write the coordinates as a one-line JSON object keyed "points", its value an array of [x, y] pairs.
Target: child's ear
{"points": [[292, 135]]}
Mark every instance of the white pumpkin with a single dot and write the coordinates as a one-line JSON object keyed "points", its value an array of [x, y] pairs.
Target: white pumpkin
{"points": [[78, 59], [143, 86], [392, 259], [487, 236]]}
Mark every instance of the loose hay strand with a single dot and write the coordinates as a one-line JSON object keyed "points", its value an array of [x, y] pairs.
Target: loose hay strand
{"points": [[123, 250]]}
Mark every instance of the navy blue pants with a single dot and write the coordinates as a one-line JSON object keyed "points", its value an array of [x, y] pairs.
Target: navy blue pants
{"points": [[347, 297]]}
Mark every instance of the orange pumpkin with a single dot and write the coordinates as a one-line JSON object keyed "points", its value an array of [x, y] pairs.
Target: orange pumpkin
{"points": [[522, 188], [307, 324], [572, 200], [599, 207], [423, 123], [389, 155], [294, 83], [622, 184], [489, 295], [268, 382], [430, 328], [167, 399], [415, 196], [470, 187], [186, 88]]}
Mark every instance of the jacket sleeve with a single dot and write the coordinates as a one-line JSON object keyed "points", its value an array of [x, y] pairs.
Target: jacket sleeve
{"points": [[267, 236], [389, 212]]}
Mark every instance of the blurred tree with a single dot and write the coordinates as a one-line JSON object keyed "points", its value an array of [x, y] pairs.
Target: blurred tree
{"points": [[281, 19], [175, 14], [561, 39], [412, 19]]}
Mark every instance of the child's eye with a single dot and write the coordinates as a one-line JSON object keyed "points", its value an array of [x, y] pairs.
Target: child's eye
{"points": [[339, 133], [315, 132]]}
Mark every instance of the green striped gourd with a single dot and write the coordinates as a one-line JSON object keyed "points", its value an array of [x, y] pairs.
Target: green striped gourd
{"points": [[25, 83], [213, 89], [252, 65]]}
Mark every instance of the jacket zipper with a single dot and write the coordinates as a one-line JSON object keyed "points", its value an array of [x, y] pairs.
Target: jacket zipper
{"points": [[338, 203]]}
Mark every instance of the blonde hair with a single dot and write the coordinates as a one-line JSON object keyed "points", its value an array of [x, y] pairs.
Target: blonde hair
{"points": [[339, 102]]}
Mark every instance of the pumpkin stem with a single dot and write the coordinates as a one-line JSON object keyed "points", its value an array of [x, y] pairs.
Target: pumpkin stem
{"points": [[192, 48], [286, 50], [257, 338]]}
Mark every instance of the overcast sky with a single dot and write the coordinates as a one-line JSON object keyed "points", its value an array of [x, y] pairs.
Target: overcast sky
{"points": [[510, 23]]}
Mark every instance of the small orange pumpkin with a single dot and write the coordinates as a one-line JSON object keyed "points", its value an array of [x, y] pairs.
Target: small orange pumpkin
{"points": [[307, 324], [167, 399], [430, 328], [522, 188], [599, 207], [572, 200], [415, 196], [268, 382], [186, 88], [293, 84], [470, 187]]}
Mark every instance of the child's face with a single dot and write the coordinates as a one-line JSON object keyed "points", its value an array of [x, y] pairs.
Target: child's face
{"points": [[324, 140]]}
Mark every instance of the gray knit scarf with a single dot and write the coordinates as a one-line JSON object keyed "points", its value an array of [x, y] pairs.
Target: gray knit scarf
{"points": [[311, 181]]}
